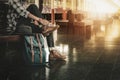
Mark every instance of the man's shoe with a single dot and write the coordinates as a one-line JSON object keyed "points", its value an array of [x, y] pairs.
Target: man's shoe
{"points": [[55, 55]]}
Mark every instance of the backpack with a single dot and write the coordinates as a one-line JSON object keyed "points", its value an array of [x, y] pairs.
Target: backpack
{"points": [[34, 51], [3, 16]]}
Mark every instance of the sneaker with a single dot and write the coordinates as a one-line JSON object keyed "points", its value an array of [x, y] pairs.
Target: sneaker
{"points": [[55, 55]]}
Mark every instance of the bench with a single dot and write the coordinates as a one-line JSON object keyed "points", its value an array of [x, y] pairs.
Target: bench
{"points": [[10, 49], [10, 38]]}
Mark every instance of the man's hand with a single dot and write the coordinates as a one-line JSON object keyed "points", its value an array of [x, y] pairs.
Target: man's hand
{"points": [[44, 22], [36, 23]]}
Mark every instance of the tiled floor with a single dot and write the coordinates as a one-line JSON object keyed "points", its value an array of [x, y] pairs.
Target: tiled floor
{"points": [[97, 58]]}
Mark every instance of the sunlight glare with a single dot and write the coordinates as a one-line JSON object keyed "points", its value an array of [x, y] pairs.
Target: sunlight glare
{"points": [[114, 31], [103, 28], [100, 8]]}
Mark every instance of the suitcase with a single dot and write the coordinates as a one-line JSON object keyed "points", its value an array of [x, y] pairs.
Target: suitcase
{"points": [[34, 51]]}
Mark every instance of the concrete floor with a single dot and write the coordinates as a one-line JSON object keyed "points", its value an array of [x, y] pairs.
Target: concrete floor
{"points": [[97, 58]]}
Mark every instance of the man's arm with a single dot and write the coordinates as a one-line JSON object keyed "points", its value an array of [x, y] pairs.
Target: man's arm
{"points": [[23, 12]]}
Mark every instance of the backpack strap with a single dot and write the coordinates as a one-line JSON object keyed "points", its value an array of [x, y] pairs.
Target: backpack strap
{"points": [[32, 49], [40, 47]]}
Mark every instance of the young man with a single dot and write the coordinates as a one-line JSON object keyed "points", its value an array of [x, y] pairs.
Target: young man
{"points": [[18, 14], [16, 11], [50, 41]]}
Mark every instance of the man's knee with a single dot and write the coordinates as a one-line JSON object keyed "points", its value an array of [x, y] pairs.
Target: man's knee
{"points": [[32, 7]]}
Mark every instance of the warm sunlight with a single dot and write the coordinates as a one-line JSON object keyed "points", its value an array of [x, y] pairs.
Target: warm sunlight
{"points": [[100, 8], [113, 31], [116, 2], [102, 28], [103, 6]]}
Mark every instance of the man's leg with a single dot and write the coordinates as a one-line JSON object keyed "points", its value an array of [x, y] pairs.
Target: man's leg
{"points": [[50, 40], [54, 53], [34, 10]]}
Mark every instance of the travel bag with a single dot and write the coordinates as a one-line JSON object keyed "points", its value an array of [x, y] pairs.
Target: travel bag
{"points": [[34, 52]]}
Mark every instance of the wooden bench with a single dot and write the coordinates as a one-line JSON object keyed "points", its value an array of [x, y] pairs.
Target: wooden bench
{"points": [[11, 49], [10, 38]]}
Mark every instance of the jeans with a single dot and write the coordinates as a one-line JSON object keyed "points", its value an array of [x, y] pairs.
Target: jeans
{"points": [[27, 21], [50, 40]]}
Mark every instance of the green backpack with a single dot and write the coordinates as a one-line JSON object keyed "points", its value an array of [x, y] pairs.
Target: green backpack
{"points": [[34, 50]]}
